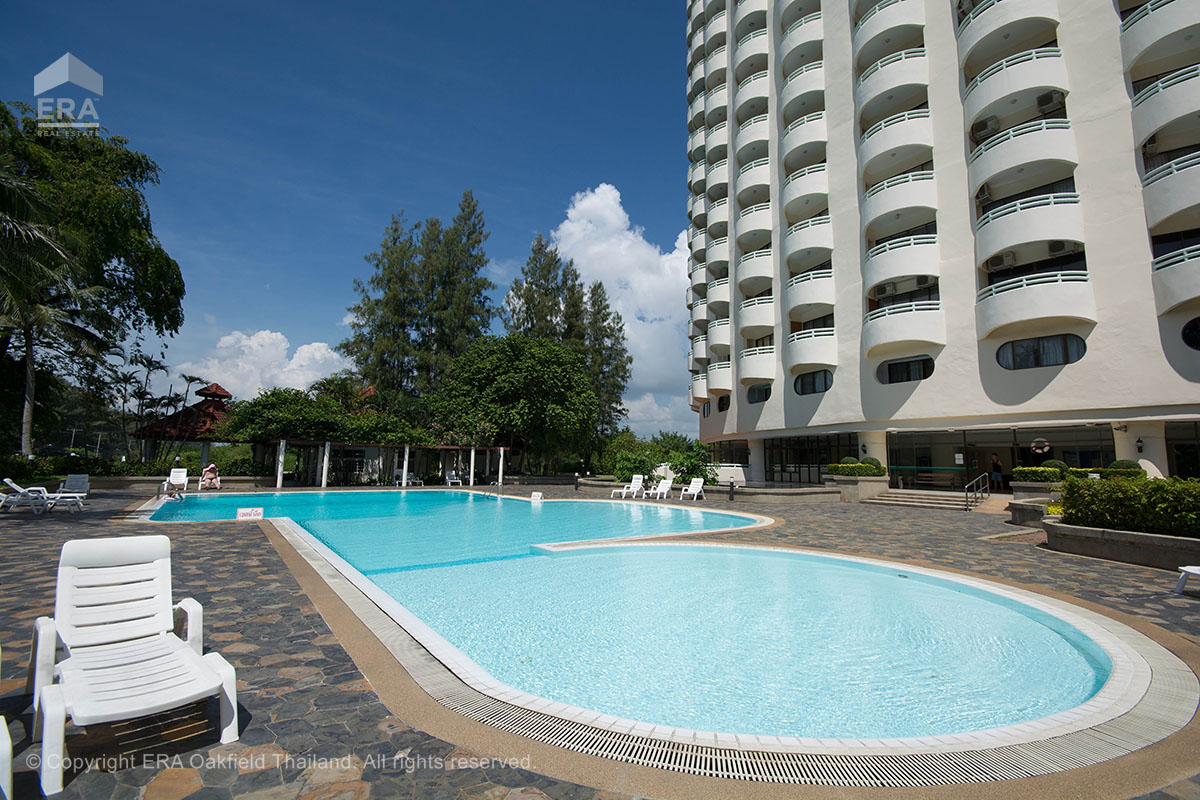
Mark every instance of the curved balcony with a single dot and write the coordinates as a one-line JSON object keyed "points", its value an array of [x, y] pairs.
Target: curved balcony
{"points": [[700, 348], [756, 364], [700, 387], [699, 211], [885, 17], [717, 175], [1171, 188], [695, 241], [1164, 101], [714, 30], [1152, 25], [753, 180], [806, 30], [751, 88], [816, 347], [1005, 18], [755, 271], [805, 132], [1037, 141], [697, 276], [695, 145], [752, 44], [753, 226], [700, 313], [1176, 278], [1034, 298], [696, 177], [718, 253], [716, 137], [696, 112], [720, 336], [908, 191], [718, 218], [806, 79], [895, 137], [716, 102], [894, 328], [756, 317], [809, 290], [719, 378], [900, 258], [719, 293], [806, 190], [716, 64], [700, 247], [1031, 72], [906, 68], [755, 130], [808, 241], [1034, 219], [747, 7]]}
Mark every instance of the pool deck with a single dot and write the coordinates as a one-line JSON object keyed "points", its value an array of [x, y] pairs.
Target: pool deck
{"points": [[327, 712]]}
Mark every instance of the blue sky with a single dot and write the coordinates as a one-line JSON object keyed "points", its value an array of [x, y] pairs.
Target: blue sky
{"points": [[288, 134]]}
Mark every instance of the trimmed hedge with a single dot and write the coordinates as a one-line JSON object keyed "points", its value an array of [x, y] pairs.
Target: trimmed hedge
{"points": [[1044, 474], [849, 460], [1167, 506], [1036, 474], [857, 470], [873, 461], [1107, 473]]}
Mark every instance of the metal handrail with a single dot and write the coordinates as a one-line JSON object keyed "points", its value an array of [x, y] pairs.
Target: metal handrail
{"points": [[699, 339], [1058, 199], [752, 121], [896, 244], [908, 177], [875, 9], [820, 219], [800, 173], [1179, 76], [718, 51], [718, 323], [708, 23], [1045, 278], [720, 126], [745, 81], [756, 301], [975, 12], [811, 333], [809, 67], [748, 210], [802, 21], [719, 365], [1171, 168], [813, 117], [903, 308], [716, 165], [903, 55], [1020, 58], [977, 491], [719, 242], [1175, 259], [760, 162], [811, 275], [752, 255], [718, 283], [766, 350], [751, 35], [1142, 13], [895, 119], [716, 205], [1019, 130]]}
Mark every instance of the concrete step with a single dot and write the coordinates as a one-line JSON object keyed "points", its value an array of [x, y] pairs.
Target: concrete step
{"points": [[913, 498]]}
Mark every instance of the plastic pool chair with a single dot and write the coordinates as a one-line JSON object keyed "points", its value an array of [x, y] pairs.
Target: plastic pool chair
{"points": [[662, 491], [1184, 574], [38, 499], [631, 489], [693, 490], [76, 484], [111, 651], [178, 478]]}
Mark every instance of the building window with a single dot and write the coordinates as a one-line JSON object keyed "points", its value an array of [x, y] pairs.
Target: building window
{"points": [[1191, 334], [905, 370], [814, 382], [705, 409], [736, 451], [1044, 351], [758, 393], [723, 403]]}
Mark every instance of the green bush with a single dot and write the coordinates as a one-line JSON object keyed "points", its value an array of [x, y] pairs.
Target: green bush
{"points": [[873, 461], [857, 470], [849, 460], [1107, 473], [1042, 474], [632, 462], [692, 463], [1167, 506], [1124, 463], [1054, 463]]}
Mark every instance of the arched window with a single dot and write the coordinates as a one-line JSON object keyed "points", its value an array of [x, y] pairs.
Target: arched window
{"points": [[758, 393], [1044, 351], [706, 409], [723, 403], [813, 382], [905, 370]]}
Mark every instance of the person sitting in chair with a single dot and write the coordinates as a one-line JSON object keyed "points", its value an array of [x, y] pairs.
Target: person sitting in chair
{"points": [[209, 479]]}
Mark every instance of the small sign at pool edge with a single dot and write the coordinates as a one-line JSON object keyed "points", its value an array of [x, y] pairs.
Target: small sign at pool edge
{"points": [[249, 514]]}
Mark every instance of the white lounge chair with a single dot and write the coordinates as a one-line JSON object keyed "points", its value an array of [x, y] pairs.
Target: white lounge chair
{"points": [[631, 489], [76, 484], [452, 479], [38, 499], [5, 761], [178, 478], [111, 651], [1184, 574], [662, 491], [693, 490]]}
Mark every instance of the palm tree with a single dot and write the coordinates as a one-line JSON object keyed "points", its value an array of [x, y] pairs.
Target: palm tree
{"points": [[350, 391]]}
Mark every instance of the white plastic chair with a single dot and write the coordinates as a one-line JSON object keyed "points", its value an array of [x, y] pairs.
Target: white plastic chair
{"points": [[178, 478], [1184, 574], [661, 492], [111, 651], [76, 484], [452, 479], [632, 489], [693, 490], [38, 499]]}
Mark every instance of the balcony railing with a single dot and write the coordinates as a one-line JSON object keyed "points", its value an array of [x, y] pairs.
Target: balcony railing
{"points": [[813, 117], [752, 121], [717, 52], [718, 164], [1043, 279], [712, 92], [896, 244], [811, 333], [751, 35], [1016, 131], [809, 67], [895, 119], [903, 55], [748, 210], [718, 366], [1175, 259], [800, 173], [718, 283], [756, 301], [811, 275], [1171, 168], [816, 15], [822, 219], [1179, 76], [719, 242], [1020, 58], [751, 352], [701, 339], [754, 255], [751, 78], [975, 12], [759, 162], [718, 323], [1060, 199], [697, 268], [907, 177], [1142, 13], [875, 10], [720, 126], [717, 205], [903, 308]]}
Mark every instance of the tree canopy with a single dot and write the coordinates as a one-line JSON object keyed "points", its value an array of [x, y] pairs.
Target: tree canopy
{"points": [[296, 414]]}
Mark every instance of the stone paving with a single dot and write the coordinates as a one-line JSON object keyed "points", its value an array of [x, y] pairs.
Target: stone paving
{"points": [[302, 698]]}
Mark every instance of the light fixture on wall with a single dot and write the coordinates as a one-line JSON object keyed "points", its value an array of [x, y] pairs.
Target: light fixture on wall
{"points": [[1140, 444], [1121, 428], [864, 448]]}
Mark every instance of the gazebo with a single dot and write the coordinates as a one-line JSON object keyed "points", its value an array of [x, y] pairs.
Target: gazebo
{"points": [[199, 422]]}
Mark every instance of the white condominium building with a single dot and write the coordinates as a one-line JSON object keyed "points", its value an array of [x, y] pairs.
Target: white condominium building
{"points": [[930, 233]]}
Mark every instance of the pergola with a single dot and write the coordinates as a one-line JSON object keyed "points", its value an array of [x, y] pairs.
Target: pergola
{"points": [[199, 422], [326, 448]]}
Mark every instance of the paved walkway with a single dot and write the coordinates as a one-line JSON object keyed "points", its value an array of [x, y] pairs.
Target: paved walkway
{"points": [[312, 725]]}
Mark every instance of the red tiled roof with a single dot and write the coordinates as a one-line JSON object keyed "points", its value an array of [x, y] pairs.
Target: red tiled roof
{"points": [[196, 423], [214, 390]]}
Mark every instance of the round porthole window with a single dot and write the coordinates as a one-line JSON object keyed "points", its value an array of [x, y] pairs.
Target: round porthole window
{"points": [[1191, 334]]}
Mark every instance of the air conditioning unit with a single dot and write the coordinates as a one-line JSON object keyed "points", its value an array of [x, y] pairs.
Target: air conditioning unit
{"points": [[1050, 102], [925, 280], [1001, 260], [885, 290], [1150, 147], [984, 195], [985, 129], [1058, 247]]}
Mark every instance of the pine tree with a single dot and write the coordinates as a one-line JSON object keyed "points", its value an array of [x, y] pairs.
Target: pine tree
{"points": [[608, 359], [533, 305], [574, 309]]}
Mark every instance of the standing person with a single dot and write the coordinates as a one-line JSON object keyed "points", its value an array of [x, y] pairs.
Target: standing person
{"points": [[997, 474]]}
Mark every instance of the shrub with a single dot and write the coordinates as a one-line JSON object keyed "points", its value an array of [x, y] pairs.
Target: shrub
{"points": [[1169, 506], [244, 467], [1107, 473], [692, 463], [857, 470], [849, 460], [873, 461], [1124, 463], [1054, 463], [631, 462], [1042, 474]]}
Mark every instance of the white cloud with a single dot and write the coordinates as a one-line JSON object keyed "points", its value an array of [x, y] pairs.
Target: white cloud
{"points": [[244, 364], [347, 319], [210, 319], [647, 416], [647, 286]]}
